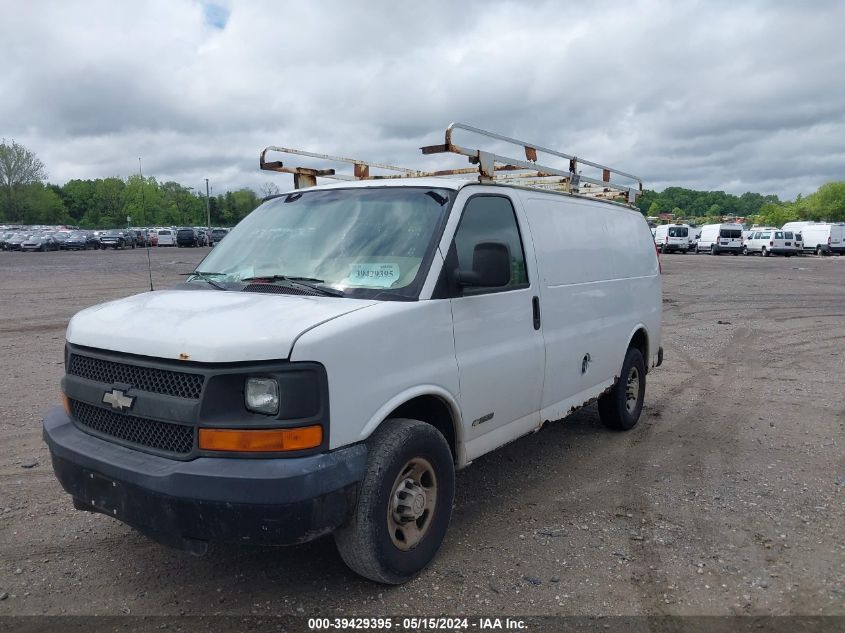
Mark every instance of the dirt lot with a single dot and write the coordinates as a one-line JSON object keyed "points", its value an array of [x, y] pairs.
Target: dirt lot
{"points": [[726, 499]]}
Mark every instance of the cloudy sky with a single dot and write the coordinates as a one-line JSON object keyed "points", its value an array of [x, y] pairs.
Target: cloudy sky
{"points": [[737, 96]]}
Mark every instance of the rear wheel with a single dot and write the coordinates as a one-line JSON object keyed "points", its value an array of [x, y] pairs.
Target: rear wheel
{"points": [[404, 503], [764, 252], [713, 250], [620, 408], [745, 250]]}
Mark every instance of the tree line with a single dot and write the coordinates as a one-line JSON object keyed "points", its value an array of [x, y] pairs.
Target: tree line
{"points": [[705, 207], [107, 202]]}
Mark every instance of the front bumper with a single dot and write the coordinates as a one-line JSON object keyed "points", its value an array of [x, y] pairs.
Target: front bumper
{"points": [[186, 504]]}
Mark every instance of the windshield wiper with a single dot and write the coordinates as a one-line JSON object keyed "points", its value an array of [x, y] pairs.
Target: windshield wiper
{"points": [[302, 282], [206, 277]]}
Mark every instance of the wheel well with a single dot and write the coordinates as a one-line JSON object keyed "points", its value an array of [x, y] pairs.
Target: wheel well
{"points": [[640, 342], [432, 410]]}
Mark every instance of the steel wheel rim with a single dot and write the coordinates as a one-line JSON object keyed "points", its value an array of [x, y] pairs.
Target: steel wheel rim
{"points": [[632, 390], [412, 503]]}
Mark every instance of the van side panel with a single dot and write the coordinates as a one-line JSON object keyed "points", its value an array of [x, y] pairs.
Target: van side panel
{"points": [[599, 283]]}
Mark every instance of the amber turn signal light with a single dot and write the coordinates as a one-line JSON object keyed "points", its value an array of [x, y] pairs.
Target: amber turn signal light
{"points": [[260, 440], [66, 404]]}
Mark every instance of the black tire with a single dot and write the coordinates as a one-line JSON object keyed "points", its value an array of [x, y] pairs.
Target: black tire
{"points": [[365, 542], [819, 251], [614, 409], [713, 250], [745, 250], [663, 249], [764, 252]]}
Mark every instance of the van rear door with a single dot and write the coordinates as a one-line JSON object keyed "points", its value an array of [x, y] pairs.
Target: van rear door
{"points": [[498, 341]]}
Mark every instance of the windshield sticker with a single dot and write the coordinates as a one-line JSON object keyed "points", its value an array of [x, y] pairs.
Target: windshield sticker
{"points": [[373, 275]]}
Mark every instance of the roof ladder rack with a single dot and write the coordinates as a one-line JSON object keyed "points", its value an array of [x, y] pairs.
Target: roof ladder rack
{"points": [[528, 172], [307, 177], [489, 166]]}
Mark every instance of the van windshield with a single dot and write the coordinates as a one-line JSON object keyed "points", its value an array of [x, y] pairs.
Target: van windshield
{"points": [[678, 231], [362, 241]]}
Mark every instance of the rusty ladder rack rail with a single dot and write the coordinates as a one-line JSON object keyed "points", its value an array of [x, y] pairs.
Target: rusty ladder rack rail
{"points": [[489, 166]]}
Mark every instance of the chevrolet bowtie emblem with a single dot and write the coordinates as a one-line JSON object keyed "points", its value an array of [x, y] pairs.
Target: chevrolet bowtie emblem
{"points": [[118, 400]]}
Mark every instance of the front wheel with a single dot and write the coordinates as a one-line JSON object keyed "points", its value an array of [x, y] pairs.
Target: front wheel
{"points": [[404, 503], [764, 252], [620, 408], [745, 250]]}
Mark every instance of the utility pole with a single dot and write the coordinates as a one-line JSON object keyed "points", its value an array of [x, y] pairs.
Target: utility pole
{"points": [[207, 206], [143, 204]]}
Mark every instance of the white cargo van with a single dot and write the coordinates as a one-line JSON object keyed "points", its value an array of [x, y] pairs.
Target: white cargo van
{"points": [[720, 238], [347, 347], [824, 238], [672, 238], [770, 241], [166, 237]]}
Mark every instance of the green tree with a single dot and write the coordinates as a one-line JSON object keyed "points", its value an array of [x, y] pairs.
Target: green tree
{"points": [[828, 203], [40, 204], [107, 209], [776, 214], [19, 167], [78, 196]]}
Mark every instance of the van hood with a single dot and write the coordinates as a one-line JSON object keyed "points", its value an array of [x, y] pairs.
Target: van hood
{"points": [[204, 325]]}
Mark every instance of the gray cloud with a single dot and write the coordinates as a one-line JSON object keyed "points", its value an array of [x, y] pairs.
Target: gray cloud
{"points": [[698, 94]]}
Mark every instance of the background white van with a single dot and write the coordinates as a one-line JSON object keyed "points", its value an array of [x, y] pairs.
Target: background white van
{"points": [[672, 238], [824, 238], [166, 237], [720, 238]]}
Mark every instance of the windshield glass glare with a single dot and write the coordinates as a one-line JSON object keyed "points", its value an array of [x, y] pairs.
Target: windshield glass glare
{"points": [[361, 241]]}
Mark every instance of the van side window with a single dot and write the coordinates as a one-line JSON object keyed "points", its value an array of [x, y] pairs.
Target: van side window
{"points": [[756, 236], [491, 219]]}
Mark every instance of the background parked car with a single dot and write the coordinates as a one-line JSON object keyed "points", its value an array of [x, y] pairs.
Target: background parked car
{"points": [[187, 236], [14, 242], [770, 241], [117, 239], [166, 237], [80, 241], [720, 238], [824, 238], [40, 242], [672, 238], [217, 235]]}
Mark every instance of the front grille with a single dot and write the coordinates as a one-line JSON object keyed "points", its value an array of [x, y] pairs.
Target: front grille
{"points": [[163, 381], [162, 436]]}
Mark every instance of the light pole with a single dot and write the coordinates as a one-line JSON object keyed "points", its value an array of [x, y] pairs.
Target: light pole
{"points": [[143, 204], [207, 207]]}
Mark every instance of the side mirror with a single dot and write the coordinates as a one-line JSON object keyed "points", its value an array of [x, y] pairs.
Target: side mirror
{"points": [[491, 266]]}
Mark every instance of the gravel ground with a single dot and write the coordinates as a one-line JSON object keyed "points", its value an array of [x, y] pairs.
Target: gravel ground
{"points": [[726, 499]]}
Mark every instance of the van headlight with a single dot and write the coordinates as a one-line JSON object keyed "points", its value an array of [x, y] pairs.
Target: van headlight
{"points": [[262, 395]]}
